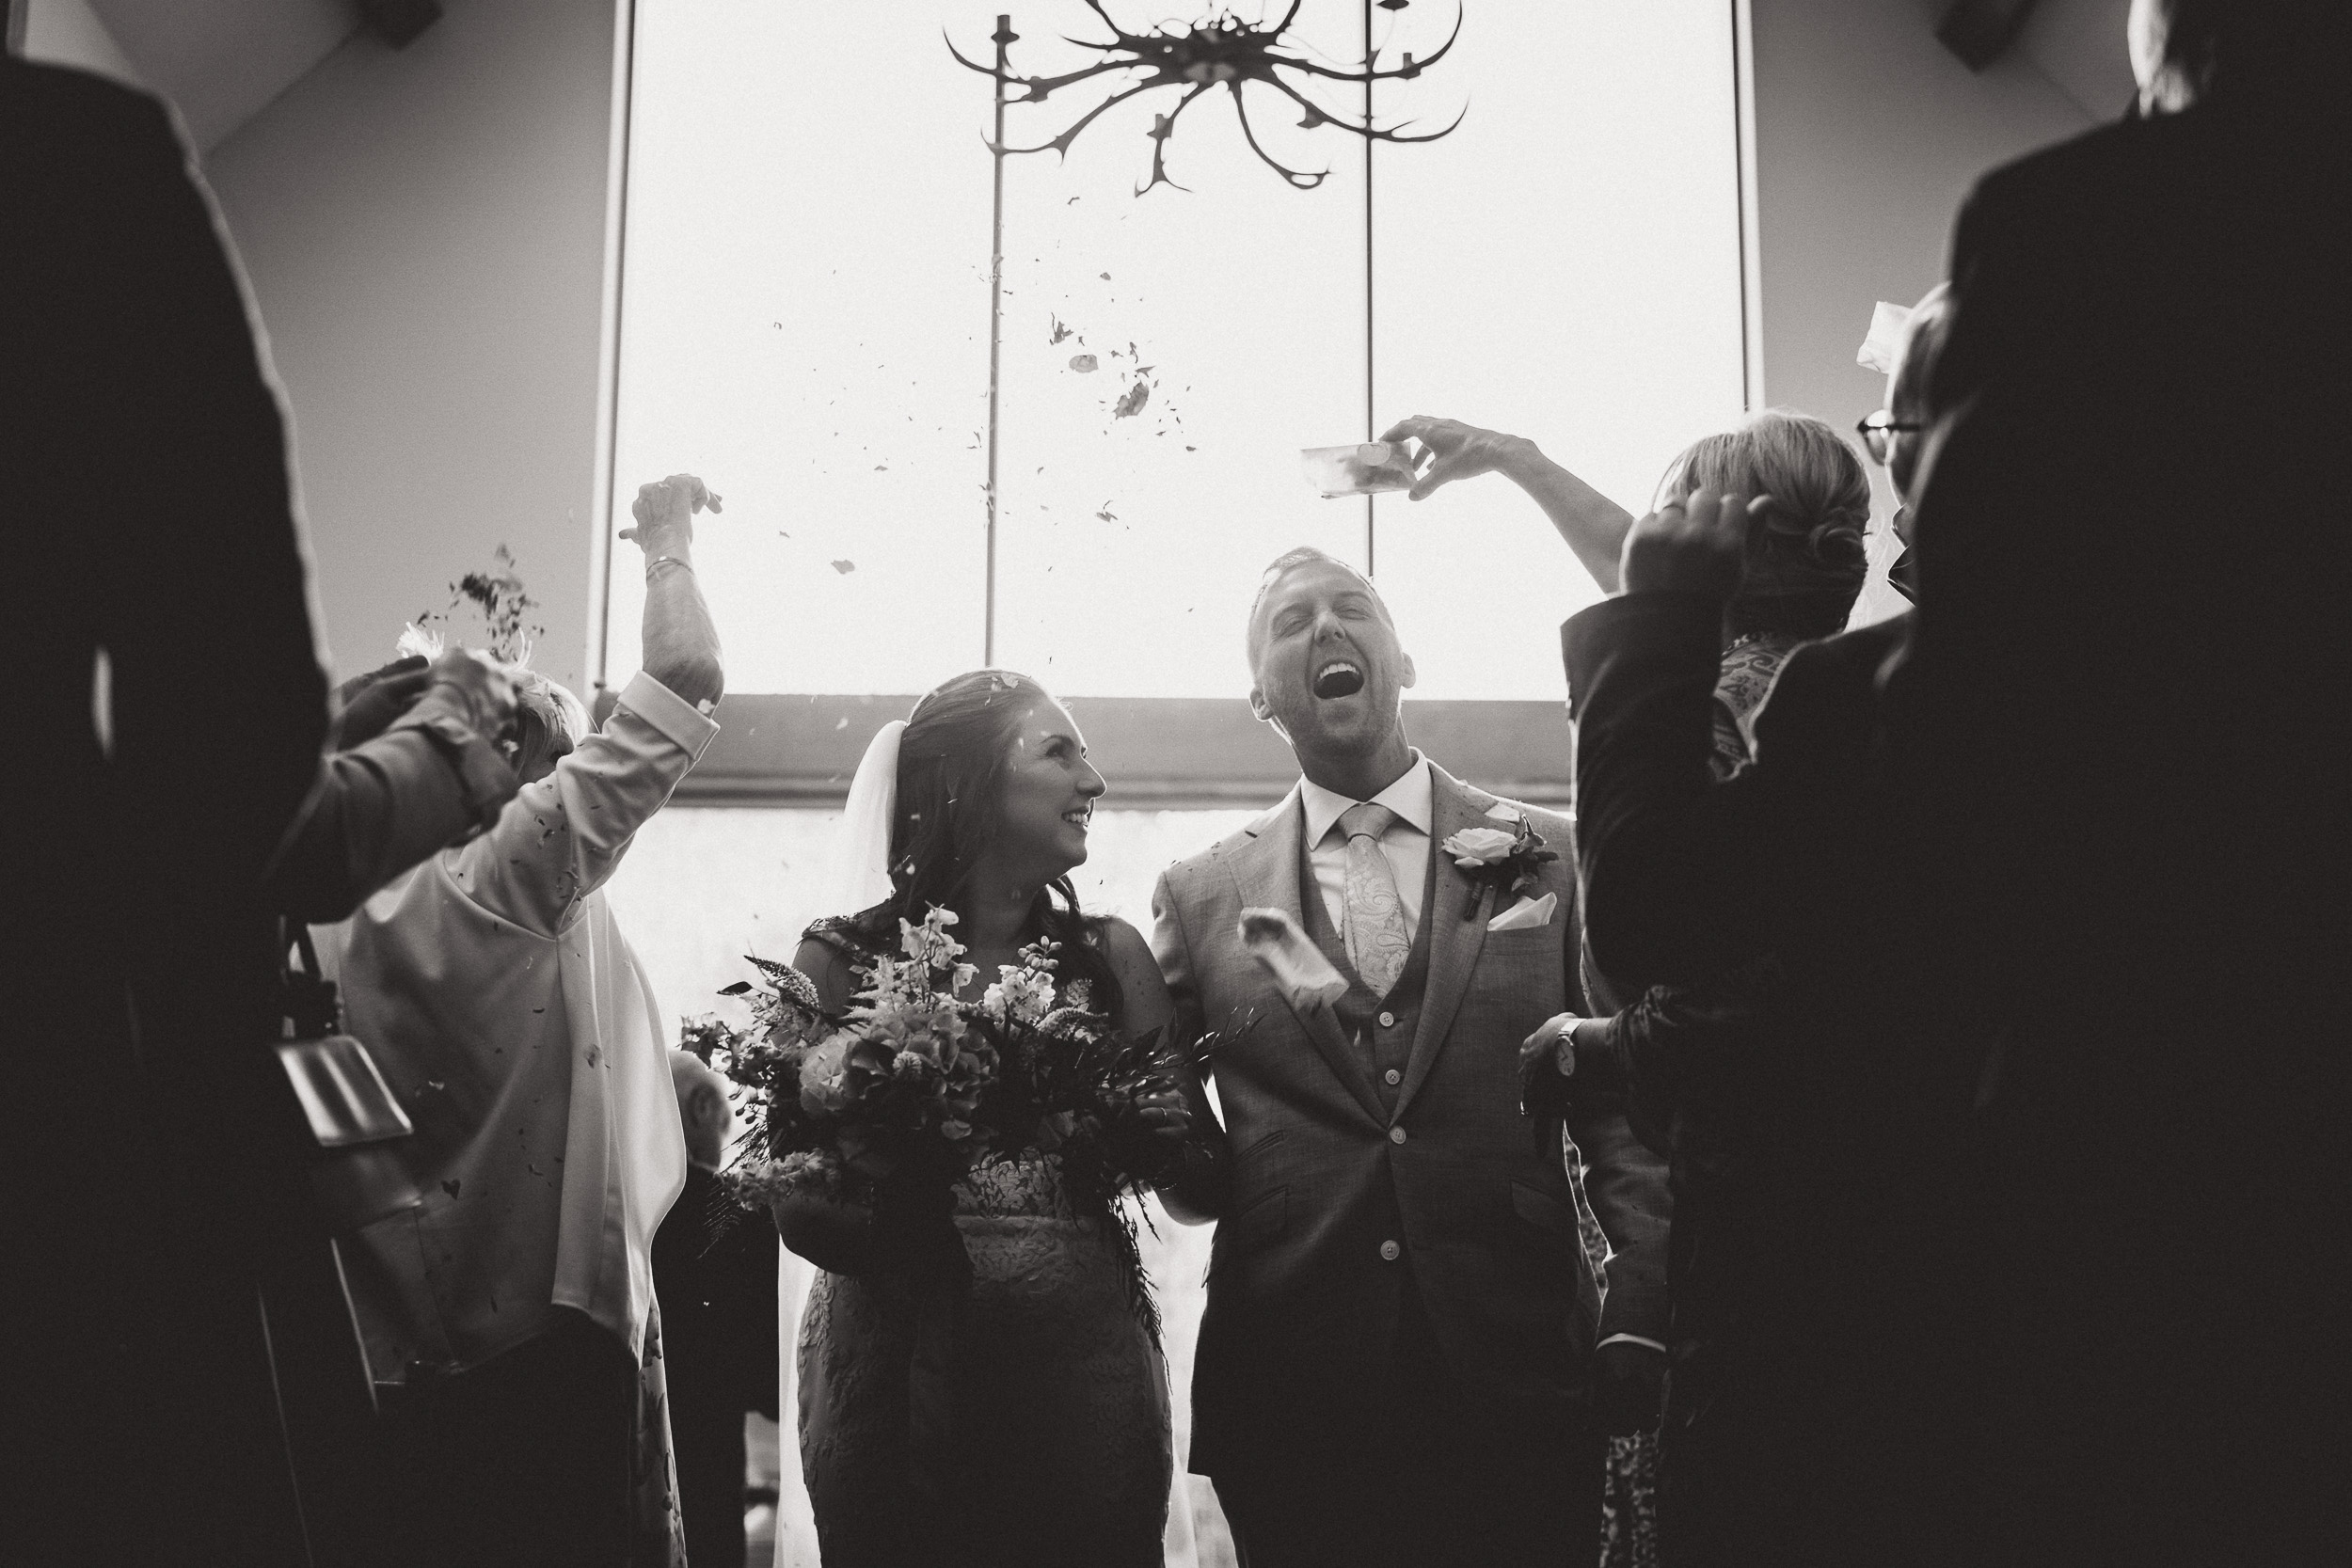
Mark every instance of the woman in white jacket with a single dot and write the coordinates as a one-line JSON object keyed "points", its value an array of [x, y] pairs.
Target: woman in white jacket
{"points": [[509, 1316]]}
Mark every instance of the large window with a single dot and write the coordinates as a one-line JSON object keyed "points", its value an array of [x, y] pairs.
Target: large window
{"points": [[805, 324]]}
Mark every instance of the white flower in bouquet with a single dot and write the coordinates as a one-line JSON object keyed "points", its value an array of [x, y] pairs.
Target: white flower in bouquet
{"points": [[825, 1074]]}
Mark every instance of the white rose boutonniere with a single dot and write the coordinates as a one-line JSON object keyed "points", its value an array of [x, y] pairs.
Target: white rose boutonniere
{"points": [[1505, 859]]}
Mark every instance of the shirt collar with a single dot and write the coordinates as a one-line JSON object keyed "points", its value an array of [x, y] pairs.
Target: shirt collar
{"points": [[1408, 797]]}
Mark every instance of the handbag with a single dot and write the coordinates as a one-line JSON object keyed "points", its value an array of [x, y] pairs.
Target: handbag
{"points": [[349, 1115]]}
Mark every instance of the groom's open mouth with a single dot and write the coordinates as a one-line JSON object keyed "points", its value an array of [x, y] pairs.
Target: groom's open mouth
{"points": [[1080, 817], [1339, 678]]}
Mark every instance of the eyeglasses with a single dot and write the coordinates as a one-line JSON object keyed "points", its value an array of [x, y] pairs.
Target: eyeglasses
{"points": [[1878, 432]]}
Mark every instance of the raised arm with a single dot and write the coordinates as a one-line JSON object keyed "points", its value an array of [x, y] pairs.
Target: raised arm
{"points": [[414, 769], [1593, 526], [681, 646], [563, 836]]}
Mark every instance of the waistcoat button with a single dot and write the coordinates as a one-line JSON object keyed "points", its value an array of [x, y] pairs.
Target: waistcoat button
{"points": [[1391, 1252], [1388, 1021], [1396, 1134], [1394, 1076]]}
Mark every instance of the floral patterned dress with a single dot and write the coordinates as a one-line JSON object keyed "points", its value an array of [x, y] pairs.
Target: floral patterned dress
{"points": [[1060, 1396]]}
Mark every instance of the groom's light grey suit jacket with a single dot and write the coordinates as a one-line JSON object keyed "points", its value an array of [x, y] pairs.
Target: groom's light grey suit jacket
{"points": [[1305, 1291]]}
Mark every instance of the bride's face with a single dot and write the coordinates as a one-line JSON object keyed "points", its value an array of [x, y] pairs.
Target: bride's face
{"points": [[1049, 794]]}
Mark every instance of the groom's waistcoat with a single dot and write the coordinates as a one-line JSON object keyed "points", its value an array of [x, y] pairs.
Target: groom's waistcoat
{"points": [[1380, 1026], [1347, 1191]]}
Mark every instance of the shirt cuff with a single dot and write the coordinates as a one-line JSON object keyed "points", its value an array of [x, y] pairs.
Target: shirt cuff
{"points": [[1633, 1338], [670, 713]]}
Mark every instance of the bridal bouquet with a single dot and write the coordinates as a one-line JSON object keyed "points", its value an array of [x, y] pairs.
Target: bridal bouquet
{"points": [[911, 1084]]}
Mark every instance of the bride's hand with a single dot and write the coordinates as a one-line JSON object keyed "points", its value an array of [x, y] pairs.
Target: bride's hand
{"points": [[1164, 1115], [836, 1237]]}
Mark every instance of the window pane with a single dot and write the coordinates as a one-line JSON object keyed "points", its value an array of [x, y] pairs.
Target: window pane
{"points": [[1566, 267], [805, 324]]}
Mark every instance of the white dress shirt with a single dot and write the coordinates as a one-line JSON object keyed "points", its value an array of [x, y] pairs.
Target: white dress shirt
{"points": [[1406, 843], [513, 1021]]}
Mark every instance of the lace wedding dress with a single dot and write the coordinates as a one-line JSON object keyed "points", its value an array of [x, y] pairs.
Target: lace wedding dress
{"points": [[1061, 1453]]}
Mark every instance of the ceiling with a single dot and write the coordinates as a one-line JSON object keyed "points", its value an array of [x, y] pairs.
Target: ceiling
{"points": [[2079, 44], [222, 61]]}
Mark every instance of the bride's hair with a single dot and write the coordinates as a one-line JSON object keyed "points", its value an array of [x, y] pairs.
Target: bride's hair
{"points": [[951, 768]]}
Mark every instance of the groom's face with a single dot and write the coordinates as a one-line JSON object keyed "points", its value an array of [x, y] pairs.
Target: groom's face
{"points": [[1326, 665]]}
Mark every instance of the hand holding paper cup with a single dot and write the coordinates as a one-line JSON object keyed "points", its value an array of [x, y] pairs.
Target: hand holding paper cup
{"points": [[1365, 469]]}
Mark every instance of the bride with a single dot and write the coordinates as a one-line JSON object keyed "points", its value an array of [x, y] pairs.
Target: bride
{"points": [[1058, 1404]]}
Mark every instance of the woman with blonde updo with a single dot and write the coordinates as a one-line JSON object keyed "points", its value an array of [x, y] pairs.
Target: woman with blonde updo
{"points": [[1696, 1061]]}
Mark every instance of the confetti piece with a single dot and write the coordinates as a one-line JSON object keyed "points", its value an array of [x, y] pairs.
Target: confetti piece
{"points": [[845, 567], [1132, 405], [1106, 514], [1060, 331], [842, 722], [1085, 364], [1107, 277], [450, 1187], [881, 467]]}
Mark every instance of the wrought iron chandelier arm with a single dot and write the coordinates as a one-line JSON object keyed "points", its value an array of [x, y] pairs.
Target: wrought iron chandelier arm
{"points": [[1040, 85], [1161, 130], [1403, 72], [1297, 179], [1062, 144]]}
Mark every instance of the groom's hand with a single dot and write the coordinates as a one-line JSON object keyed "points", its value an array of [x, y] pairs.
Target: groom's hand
{"points": [[1692, 546], [1628, 1380]]}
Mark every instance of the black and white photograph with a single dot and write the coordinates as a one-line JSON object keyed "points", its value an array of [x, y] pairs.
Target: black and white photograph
{"points": [[1176, 783]]}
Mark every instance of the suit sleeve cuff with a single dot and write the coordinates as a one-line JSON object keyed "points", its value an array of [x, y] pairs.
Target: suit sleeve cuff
{"points": [[1691, 620], [485, 779], [666, 711]]}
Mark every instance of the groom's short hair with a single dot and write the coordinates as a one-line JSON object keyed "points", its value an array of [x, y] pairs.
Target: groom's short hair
{"points": [[1288, 562]]}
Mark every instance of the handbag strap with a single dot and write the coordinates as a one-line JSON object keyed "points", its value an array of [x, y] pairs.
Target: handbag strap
{"points": [[310, 1002]]}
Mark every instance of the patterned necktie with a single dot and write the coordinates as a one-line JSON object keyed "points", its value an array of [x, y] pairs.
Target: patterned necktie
{"points": [[1378, 941]]}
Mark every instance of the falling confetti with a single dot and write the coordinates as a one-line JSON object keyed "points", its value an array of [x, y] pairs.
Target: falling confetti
{"points": [[1107, 277], [1060, 331], [845, 567], [1085, 364], [1132, 405], [1106, 514]]}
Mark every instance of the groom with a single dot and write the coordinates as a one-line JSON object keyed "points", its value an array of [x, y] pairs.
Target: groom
{"points": [[1398, 1362]]}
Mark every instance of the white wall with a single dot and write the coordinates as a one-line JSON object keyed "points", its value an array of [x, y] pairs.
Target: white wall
{"points": [[68, 32], [1867, 135], [425, 229]]}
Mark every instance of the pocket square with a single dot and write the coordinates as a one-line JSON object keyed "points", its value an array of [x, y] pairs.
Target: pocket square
{"points": [[1526, 915], [1298, 965]]}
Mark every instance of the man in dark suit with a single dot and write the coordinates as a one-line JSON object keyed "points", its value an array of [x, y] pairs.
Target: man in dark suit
{"points": [[1397, 1359], [2096, 870], [172, 707]]}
